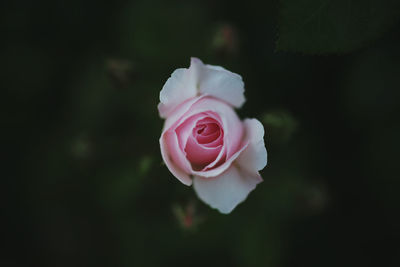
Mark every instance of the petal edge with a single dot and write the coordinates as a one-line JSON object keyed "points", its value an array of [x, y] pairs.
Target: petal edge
{"points": [[254, 157], [226, 191]]}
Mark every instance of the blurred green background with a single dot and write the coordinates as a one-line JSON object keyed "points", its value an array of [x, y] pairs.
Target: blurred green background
{"points": [[84, 183]]}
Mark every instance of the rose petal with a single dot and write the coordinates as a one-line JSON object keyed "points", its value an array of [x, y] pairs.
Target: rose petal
{"points": [[185, 129], [181, 86], [211, 140], [227, 190], [176, 117], [173, 158], [233, 132], [221, 112], [220, 83], [211, 134], [212, 171], [254, 157], [200, 155], [200, 79], [231, 124]]}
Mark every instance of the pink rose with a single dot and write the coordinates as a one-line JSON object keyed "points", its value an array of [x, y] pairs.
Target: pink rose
{"points": [[204, 142]]}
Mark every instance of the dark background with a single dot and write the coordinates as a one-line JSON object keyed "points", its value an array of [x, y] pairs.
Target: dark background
{"points": [[84, 183]]}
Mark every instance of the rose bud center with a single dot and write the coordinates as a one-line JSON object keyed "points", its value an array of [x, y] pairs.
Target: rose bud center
{"points": [[204, 143]]}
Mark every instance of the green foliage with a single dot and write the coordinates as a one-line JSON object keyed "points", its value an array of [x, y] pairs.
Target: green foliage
{"points": [[280, 125], [322, 26]]}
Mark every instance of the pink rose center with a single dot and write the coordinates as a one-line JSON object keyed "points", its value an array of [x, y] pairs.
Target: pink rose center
{"points": [[207, 133], [205, 142]]}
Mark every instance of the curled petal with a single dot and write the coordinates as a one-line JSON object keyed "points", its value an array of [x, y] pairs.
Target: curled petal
{"points": [[199, 155], [214, 169], [173, 158], [176, 117], [254, 157], [185, 129], [227, 190]]}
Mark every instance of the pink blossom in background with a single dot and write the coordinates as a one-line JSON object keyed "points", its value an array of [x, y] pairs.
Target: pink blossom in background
{"points": [[204, 142]]}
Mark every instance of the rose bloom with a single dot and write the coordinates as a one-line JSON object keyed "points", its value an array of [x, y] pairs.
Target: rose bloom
{"points": [[204, 142]]}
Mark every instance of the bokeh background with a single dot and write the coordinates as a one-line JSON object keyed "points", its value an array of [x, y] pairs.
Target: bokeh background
{"points": [[84, 183]]}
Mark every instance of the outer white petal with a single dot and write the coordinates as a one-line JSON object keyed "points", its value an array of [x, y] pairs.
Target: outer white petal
{"points": [[254, 157], [226, 191], [200, 79], [222, 84], [181, 86]]}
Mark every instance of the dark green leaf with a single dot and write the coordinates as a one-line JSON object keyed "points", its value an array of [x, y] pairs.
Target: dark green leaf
{"points": [[323, 26]]}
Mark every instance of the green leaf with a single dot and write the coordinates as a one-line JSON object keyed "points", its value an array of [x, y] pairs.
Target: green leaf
{"points": [[280, 125], [332, 26]]}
